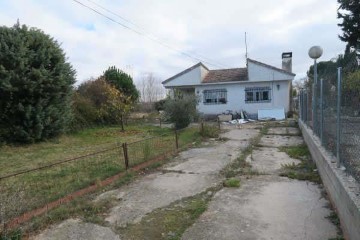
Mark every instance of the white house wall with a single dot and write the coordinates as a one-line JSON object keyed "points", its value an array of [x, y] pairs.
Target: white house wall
{"points": [[203, 72], [257, 72], [190, 78], [236, 97]]}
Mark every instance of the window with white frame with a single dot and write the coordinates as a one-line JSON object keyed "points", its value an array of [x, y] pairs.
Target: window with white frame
{"points": [[215, 96], [257, 94]]}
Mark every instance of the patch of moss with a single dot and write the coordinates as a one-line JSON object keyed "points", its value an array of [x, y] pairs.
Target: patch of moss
{"points": [[305, 170], [239, 166], [169, 222], [298, 152], [232, 182]]}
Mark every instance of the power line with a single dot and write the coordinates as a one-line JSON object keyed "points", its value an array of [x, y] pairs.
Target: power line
{"points": [[154, 38], [146, 32], [115, 14], [141, 33]]}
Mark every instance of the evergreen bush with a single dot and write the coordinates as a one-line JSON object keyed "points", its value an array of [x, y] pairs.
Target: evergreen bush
{"points": [[36, 84]]}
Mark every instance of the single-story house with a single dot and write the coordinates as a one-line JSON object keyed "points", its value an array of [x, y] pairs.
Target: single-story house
{"points": [[257, 86]]}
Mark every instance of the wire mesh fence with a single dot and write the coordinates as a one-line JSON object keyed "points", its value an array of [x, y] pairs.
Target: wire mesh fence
{"points": [[154, 121], [33, 189], [24, 191], [330, 106], [147, 149]]}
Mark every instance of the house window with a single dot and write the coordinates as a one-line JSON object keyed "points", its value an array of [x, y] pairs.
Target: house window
{"points": [[215, 96], [257, 94]]}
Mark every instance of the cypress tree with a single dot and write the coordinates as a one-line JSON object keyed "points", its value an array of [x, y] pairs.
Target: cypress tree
{"points": [[36, 84], [349, 12], [122, 82]]}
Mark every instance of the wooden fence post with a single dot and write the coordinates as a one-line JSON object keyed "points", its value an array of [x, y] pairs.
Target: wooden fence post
{"points": [[160, 121], [176, 139], [202, 126], [219, 123], [126, 156]]}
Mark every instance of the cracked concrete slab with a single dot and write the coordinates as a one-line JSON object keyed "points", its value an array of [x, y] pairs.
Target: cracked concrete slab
{"points": [[76, 229], [192, 172], [242, 134], [284, 131], [280, 141], [155, 191], [265, 207], [269, 160]]}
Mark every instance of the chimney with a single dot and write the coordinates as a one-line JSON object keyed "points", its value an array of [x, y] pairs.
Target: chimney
{"points": [[287, 61]]}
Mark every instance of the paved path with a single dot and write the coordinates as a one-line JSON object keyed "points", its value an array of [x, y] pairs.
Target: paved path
{"points": [[192, 172], [264, 207], [267, 206]]}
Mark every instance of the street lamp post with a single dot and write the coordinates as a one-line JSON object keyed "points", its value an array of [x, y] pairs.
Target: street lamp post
{"points": [[315, 52]]}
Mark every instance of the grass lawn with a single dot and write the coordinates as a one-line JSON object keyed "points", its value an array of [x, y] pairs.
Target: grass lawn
{"points": [[31, 190], [16, 158]]}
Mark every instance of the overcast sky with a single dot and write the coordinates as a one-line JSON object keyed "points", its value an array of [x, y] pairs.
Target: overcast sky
{"points": [[213, 29]]}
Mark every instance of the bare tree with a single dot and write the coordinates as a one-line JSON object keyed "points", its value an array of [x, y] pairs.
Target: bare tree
{"points": [[298, 84], [151, 88]]}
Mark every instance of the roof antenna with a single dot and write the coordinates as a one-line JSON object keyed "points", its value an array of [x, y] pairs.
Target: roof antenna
{"points": [[246, 54]]}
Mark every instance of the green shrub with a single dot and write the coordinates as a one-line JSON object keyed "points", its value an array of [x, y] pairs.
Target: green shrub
{"points": [[36, 84], [181, 110], [85, 113], [99, 102], [160, 105]]}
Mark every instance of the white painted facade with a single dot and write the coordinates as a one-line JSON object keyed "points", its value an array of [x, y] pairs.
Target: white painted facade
{"points": [[190, 78], [258, 72], [259, 75], [280, 97]]}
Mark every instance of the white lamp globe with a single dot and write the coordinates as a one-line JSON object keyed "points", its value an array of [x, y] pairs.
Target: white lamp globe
{"points": [[315, 52]]}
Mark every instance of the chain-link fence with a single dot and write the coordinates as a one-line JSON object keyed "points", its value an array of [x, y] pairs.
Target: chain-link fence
{"points": [[31, 192], [330, 106]]}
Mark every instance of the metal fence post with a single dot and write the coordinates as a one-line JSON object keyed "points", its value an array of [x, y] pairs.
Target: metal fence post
{"points": [[313, 108], [160, 121], [315, 117], [219, 124], [126, 156], [306, 107], [301, 105], [321, 111], [176, 140], [338, 121], [202, 126]]}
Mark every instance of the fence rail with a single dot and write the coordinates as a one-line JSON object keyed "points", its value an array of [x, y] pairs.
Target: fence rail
{"points": [[332, 111], [22, 192]]}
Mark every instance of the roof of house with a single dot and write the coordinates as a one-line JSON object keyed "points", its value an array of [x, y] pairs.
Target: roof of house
{"points": [[226, 75], [272, 67], [185, 71]]}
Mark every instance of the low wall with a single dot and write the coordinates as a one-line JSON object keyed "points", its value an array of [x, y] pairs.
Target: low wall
{"points": [[343, 190]]}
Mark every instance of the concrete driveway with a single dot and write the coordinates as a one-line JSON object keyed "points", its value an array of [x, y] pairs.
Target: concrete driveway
{"points": [[264, 207], [267, 206]]}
